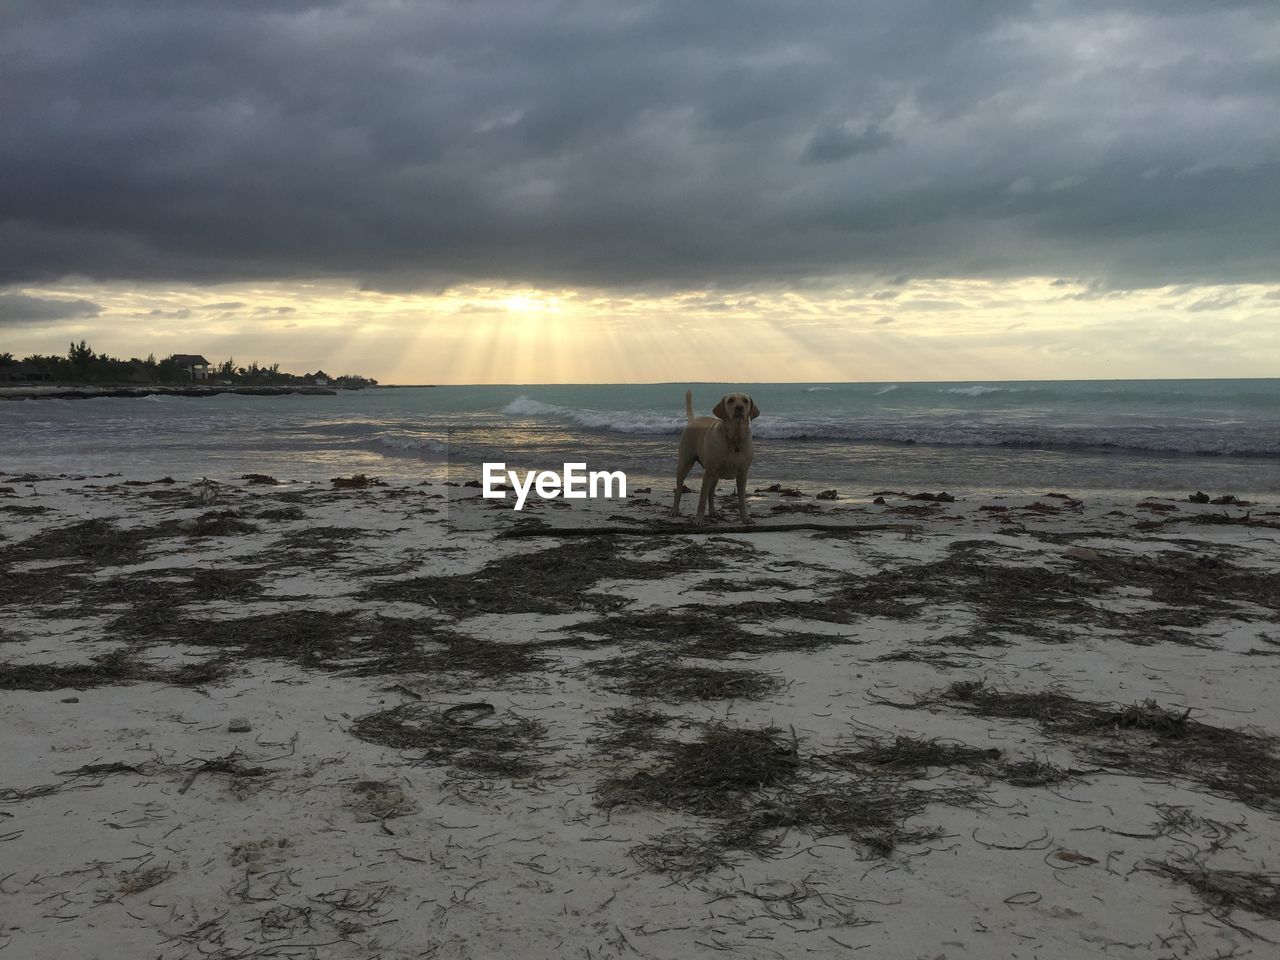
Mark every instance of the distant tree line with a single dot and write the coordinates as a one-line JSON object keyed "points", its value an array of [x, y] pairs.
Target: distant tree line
{"points": [[82, 365]]}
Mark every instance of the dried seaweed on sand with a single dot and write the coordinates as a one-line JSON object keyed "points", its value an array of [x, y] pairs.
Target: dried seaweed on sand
{"points": [[756, 782], [669, 680], [1228, 890], [547, 581], [1143, 738], [485, 745]]}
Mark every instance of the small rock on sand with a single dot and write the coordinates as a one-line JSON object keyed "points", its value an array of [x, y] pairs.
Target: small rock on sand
{"points": [[239, 725]]}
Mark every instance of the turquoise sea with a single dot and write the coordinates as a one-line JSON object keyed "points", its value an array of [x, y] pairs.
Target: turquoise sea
{"points": [[1159, 436]]}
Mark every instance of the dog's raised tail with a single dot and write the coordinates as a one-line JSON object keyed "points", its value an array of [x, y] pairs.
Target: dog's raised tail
{"points": [[688, 405]]}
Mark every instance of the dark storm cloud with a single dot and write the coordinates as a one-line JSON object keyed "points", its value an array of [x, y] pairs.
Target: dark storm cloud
{"points": [[838, 143], [412, 146], [18, 308]]}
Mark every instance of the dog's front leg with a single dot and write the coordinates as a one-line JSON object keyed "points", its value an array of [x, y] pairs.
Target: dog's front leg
{"points": [[713, 512], [708, 485], [742, 497]]}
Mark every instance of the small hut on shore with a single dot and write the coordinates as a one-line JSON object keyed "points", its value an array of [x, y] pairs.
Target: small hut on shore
{"points": [[197, 367]]}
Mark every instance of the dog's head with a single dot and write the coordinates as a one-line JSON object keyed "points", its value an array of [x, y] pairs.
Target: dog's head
{"points": [[737, 407]]}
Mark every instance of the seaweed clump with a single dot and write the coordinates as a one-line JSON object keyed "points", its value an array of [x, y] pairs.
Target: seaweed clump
{"points": [[757, 784], [116, 668], [470, 738], [1145, 739], [549, 581], [673, 682], [96, 541], [1228, 890]]}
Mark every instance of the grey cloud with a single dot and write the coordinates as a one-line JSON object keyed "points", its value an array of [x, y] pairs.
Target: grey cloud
{"points": [[833, 144], [19, 308], [671, 144], [1219, 302]]}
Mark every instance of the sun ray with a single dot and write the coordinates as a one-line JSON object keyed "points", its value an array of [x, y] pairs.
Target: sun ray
{"points": [[946, 329]]}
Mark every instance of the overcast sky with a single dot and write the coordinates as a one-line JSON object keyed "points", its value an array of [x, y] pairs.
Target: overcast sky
{"points": [[262, 164]]}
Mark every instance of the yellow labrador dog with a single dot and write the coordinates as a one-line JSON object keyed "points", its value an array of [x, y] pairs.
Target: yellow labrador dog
{"points": [[722, 444]]}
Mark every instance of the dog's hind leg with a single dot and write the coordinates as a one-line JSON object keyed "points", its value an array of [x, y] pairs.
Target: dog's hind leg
{"points": [[683, 467]]}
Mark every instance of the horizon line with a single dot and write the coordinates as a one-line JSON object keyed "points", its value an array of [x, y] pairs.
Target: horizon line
{"points": [[783, 383]]}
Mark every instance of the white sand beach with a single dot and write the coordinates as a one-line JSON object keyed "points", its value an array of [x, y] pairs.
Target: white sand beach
{"points": [[251, 720]]}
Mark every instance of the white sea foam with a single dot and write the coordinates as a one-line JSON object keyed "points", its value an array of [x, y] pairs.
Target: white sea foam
{"points": [[616, 421], [883, 390]]}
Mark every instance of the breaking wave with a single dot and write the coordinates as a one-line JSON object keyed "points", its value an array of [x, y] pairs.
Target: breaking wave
{"points": [[949, 429], [621, 421], [975, 391]]}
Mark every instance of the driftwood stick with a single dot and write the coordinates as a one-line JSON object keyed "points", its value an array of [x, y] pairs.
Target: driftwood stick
{"points": [[671, 529]]}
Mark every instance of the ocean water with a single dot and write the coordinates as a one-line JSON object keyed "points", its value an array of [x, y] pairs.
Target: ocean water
{"points": [[1149, 436]]}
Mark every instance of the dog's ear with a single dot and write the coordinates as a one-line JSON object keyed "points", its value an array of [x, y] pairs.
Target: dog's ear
{"points": [[720, 411], [755, 411]]}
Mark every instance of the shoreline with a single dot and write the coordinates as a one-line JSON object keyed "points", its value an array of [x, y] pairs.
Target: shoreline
{"points": [[368, 722], [93, 393]]}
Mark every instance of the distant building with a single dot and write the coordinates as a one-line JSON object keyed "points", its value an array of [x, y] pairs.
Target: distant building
{"points": [[197, 367], [319, 378]]}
